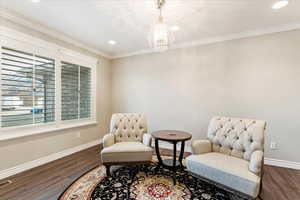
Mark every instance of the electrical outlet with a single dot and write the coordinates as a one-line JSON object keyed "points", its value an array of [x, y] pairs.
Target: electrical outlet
{"points": [[78, 135], [273, 145]]}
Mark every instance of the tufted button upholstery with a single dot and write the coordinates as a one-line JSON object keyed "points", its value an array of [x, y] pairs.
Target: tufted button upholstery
{"points": [[128, 127], [236, 137], [243, 141]]}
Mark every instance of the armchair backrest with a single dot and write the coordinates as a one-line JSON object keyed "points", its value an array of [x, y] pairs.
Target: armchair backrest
{"points": [[236, 137], [128, 127]]}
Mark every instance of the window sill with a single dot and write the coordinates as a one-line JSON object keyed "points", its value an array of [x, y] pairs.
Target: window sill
{"points": [[29, 131]]}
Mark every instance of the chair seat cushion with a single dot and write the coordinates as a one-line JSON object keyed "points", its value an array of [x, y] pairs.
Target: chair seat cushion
{"points": [[126, 152], [226, 170]]}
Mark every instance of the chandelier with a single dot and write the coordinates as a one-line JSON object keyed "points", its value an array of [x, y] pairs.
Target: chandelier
{"points": [[160, 37]]}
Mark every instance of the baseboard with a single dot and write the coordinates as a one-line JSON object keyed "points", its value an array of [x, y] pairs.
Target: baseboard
{"points": [[268, 161], [41, 161], [166, 145], [282, 163]]}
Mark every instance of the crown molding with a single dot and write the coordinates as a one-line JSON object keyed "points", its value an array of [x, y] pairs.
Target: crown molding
{"points": [[221, 38], [7, 14], [16, 18]]}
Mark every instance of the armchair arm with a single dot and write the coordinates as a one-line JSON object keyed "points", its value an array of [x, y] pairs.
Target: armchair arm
{"points": [[256, 162], [147, 139], [108, 140], [201, 146]]}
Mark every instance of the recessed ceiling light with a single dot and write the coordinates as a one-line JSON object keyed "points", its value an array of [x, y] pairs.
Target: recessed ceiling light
{"points": [[175, 28], [112, 42], [35, 1], [280, 4]]}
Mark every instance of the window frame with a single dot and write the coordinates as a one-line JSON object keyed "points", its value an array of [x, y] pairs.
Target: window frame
{"points": [[14, 39], [68, 57], [19, 47]]}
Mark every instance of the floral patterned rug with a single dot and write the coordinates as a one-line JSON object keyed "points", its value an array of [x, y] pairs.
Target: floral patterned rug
{"points": [[143, 183]]}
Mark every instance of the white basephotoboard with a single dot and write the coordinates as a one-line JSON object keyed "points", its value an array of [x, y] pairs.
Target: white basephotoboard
{"points": [[166, 145], [282, 163], [268, 161], [41, 161]]}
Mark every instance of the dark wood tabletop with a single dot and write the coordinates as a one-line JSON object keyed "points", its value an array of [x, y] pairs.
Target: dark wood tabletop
{"points": [[171, 135]]}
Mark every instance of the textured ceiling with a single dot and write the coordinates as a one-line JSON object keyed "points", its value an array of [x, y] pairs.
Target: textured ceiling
{"points": [[94, 22]]}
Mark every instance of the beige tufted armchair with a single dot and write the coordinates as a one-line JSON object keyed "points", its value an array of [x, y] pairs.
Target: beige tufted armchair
{"points": [[232, 156], [127, 142]]}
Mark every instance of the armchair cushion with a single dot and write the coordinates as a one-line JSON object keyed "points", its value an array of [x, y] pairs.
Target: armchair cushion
{"points": [[108, 140], [126, 152], [256, 162], [147, 140], [201, 146], [226, 170]]}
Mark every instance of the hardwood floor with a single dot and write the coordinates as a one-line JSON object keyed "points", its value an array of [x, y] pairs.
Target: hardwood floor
{"points": [[47, 182]]}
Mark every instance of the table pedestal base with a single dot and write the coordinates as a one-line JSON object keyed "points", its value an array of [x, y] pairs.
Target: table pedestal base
{"points": [[171, 164]]}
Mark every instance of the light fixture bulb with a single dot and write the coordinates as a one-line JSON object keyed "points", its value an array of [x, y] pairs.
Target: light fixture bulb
{"points": [[35, 1], [160, 37], [280, 4], [175, 28], [112, 42]]}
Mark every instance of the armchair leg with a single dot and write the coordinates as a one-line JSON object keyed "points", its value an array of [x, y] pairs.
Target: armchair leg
{"points": [[107, 170], [259, 197], [261, 183]]}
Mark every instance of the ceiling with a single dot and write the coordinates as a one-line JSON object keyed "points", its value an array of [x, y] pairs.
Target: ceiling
{"points": [[95, 22]]}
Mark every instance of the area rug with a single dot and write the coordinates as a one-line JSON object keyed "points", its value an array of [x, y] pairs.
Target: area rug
{"points": [[143, 183]]}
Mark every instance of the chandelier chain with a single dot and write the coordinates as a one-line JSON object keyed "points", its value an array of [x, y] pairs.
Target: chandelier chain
{"points": [[160, 4]]}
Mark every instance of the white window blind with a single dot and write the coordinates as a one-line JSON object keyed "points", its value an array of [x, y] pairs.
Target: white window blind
{"points": [[85, 92], [76, 91], [27, 88]]}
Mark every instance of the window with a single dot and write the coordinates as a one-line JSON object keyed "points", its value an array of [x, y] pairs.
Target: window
{"points": [[43, 87], [27, 88], [76, 91]]}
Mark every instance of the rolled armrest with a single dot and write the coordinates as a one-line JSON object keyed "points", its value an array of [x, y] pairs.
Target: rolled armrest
{"points": [[108, 140], [256, 162], [147, 139], [201, 146]]}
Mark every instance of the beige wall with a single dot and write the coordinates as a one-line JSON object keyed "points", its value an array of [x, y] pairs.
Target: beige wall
{"points": [[18, 151], [182, 89]]}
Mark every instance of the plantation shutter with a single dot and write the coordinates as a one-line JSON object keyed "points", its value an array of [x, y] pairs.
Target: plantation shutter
{"points": [[27, 88], [76, 91], [69, 91], [85, 92]]}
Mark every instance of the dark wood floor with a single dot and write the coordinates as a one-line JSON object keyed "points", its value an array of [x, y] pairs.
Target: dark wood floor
{"points": [[47, 182]]}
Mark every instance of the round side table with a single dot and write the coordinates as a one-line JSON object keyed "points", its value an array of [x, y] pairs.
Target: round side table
{"points": [[171, 136]]}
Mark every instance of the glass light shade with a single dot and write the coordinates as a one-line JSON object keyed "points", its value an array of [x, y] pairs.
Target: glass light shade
{"points": [[280, 4], [160, 37]]}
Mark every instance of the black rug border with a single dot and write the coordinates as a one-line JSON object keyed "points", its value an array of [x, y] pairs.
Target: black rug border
{"points": [[85, 173]]}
